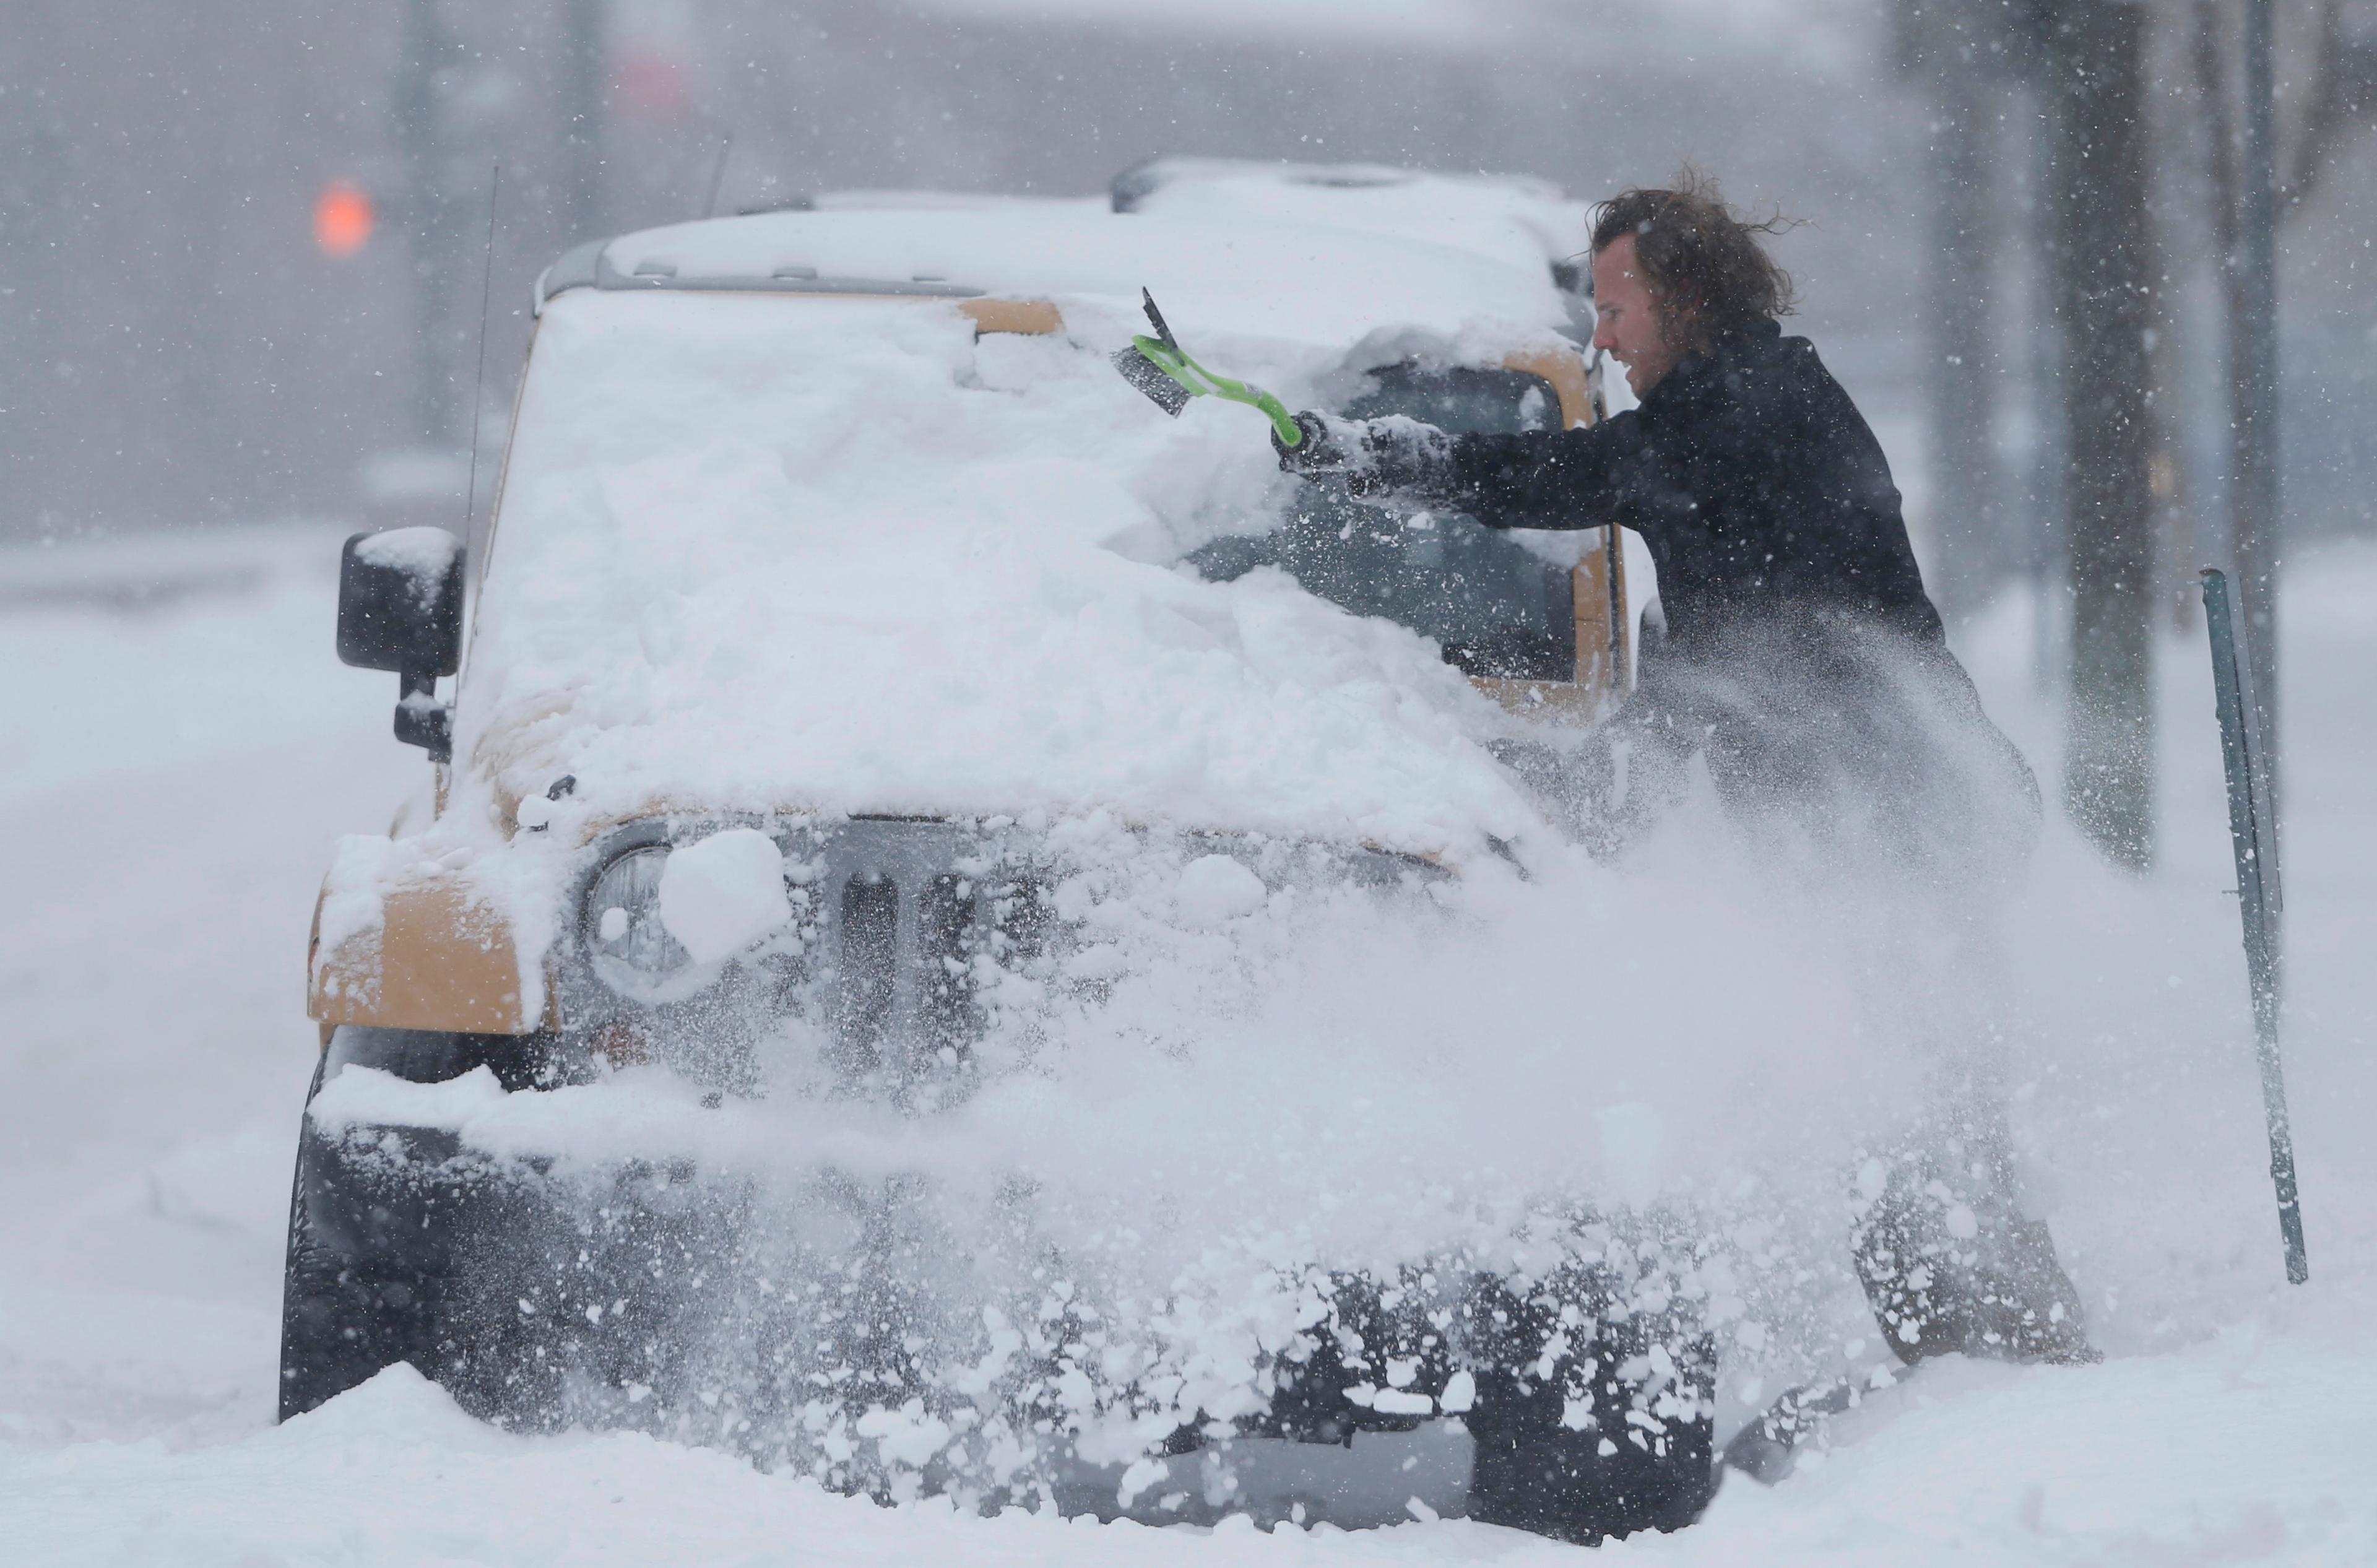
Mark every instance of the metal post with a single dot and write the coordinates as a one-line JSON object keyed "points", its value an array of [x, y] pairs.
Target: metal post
{"points": [[2258, 894], [2255, 508]]}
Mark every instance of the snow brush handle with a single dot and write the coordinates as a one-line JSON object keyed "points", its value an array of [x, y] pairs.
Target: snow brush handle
{"points": [[1200, 382]]}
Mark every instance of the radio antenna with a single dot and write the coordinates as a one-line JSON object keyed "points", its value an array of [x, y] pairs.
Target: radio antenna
{"points": [[479, 387]]}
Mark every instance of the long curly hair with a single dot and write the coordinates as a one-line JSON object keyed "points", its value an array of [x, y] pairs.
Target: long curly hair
{"points": [[1702, 261]]}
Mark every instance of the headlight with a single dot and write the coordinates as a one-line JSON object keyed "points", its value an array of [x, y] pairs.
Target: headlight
{"points": [[633, 952]]}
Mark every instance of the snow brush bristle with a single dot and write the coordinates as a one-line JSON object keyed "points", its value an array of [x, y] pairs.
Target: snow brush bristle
{"points": [[1151, 378]]}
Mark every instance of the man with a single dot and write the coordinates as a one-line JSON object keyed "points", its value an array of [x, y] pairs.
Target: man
{"points": [[1803, 659], [1800, 652]]}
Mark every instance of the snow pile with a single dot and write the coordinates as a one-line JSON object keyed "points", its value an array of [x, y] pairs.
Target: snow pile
{"points": [[2248, 1449]]}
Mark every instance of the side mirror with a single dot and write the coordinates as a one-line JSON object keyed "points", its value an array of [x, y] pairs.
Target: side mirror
{"points": [[401, 609]]}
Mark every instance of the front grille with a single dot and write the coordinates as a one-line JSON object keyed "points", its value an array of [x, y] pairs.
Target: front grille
{"points": [[867, 988], [894, 920], [898, 924]]}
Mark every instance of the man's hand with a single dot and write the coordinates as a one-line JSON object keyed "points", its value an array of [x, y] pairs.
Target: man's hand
{"points": [[1318, 453], [1386, 458]]}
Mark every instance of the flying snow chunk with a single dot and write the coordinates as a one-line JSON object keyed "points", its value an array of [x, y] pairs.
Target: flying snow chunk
{"points": [[720, 895], [907, 1436], [1214, 888], [1460, 1393]]}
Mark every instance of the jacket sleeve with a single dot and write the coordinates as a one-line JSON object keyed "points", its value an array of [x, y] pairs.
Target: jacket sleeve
{"points": [[1561, 479]]}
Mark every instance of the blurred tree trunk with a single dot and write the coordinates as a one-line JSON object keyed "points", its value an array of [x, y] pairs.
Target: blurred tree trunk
{"points": [[2096, 51], [1954, 49], [2178, 549]]}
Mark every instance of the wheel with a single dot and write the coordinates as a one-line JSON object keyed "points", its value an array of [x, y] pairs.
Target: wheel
{"points": [[1619, 1437], [351, 1304], [370, 1231]]}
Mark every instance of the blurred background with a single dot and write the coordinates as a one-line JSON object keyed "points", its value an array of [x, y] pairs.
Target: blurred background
{"points": [[242, 248]]}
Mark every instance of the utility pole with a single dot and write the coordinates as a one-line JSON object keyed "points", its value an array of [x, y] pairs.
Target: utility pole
{"points": [[2098, 193]]}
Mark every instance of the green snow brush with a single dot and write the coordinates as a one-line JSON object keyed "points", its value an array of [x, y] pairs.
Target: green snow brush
{"points": [[1169, 378]]}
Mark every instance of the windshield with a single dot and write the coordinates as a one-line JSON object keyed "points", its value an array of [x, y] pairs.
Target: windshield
{"points": [[1496, 609]]}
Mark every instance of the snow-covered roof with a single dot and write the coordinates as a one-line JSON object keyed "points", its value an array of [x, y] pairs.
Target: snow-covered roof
{"points": [[913, 199], [1309, 279], [1515, 219]]}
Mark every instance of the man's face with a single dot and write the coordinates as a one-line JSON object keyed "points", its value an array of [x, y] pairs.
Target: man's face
{"points": [[1627, 323]]}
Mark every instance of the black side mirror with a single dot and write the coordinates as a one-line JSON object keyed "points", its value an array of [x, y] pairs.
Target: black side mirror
{"points": [[401, 609]]}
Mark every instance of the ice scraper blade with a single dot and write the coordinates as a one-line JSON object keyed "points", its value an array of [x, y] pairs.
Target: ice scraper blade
{"points": [[1169, 378], [1155, 319]]}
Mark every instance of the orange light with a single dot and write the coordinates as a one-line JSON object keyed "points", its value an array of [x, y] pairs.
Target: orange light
{"points": [[342, 219], [651, 82]]}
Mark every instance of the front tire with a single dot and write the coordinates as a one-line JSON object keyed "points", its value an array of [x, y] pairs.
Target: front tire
{"points": [[371, 1228], [347, 1310], [1620, 1439]]}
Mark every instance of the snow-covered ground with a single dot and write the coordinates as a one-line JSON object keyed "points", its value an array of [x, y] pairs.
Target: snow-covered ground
{"points": [[178, 772]]}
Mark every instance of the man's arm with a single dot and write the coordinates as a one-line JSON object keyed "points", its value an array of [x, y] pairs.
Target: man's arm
{"points": [[1544, 479]]}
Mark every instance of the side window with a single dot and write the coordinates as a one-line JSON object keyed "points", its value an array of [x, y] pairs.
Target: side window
{"points": [[1496, 609]]}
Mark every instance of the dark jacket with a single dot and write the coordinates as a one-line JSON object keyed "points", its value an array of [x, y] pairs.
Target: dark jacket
{"points": [[1757, 484], [1802, 655]]}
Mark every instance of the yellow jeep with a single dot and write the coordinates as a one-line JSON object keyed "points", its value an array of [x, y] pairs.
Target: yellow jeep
{"points": [[837, 601]]}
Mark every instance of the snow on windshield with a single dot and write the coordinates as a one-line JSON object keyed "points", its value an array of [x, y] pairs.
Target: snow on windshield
{"points": [[828, 554]]}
